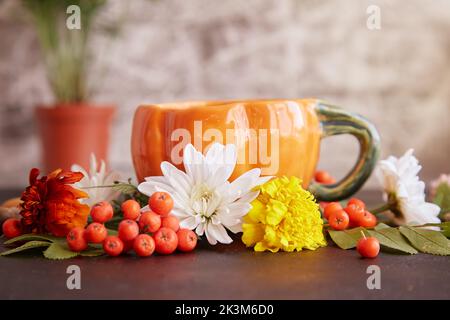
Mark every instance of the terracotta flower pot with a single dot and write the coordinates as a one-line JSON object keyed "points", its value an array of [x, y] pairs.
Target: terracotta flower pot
{"points": [[70, 132]]}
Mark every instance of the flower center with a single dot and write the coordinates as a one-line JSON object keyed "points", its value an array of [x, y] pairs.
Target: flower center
{"points": [[204, 201], [201, 192]]}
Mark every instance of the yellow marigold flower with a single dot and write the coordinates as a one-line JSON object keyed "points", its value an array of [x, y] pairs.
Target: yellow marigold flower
{"points": [[284, 216]]}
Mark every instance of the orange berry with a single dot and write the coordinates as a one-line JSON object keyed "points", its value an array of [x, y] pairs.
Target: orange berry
{"points": [[187, 240], [12, 228], [170, 222], [339, 220], [166, 241], [128, 230], [367, 220], [96, 232], [149, 222], [144, 245], [355, 213], [113, 246], [324, 177], [357, 202], [102, 212], [76, 240], [131, 209], [331, 207], [368, 247], [161, 203]]}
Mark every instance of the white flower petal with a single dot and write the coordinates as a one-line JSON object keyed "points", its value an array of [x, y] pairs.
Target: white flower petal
{"points": [[239, 188], [160, 179], [178, 180], [182, 212], [189, 223], [220, 156], [194, 164], [102, 172], [92, 165], [236, 228], [94, 178], [219, 178], [215, 157], [217, 233], [262, 180], [147, 188], [200, 230], [399, 178], [249, 197]]}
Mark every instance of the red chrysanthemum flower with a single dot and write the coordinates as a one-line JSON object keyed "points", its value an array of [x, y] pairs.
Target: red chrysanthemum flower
{"points": [[50, 204]]}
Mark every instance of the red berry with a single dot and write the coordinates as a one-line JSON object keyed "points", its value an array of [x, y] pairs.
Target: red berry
{"points": [[12, 228], [149, 222], [355, 214], [113, 246], [128, 230], [170, 222], [339, 220], [161, 203], [144, 245], [187, 240], [166, 241], [368, 247], [324, 177], [131, 209], [76, 240], [367, 220], [96, 232], [330, 207], [102, 212], [357, 202]]}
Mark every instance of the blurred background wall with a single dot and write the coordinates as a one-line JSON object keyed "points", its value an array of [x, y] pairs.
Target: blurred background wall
{"points": [[397, 76]]}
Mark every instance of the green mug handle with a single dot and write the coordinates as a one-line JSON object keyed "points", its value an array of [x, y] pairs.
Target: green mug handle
{"points": [[334, 121]]}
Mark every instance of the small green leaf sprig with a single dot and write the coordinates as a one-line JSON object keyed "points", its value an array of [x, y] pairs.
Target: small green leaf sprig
{"points": [[403, 239], [55, 248]]}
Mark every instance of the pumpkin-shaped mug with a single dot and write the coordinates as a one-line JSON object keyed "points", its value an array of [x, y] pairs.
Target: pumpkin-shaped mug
{"points": [[282, 137]]}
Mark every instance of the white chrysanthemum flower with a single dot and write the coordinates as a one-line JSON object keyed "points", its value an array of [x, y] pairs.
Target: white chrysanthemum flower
{"points": [[204, 200], [95, 179], [405, 192]]}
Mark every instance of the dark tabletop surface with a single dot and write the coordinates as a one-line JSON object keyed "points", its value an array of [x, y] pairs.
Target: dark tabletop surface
{"points": [[228, 272]]}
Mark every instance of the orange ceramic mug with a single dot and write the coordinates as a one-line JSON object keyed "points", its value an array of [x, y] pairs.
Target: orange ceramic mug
{"points": [[282, 137]]}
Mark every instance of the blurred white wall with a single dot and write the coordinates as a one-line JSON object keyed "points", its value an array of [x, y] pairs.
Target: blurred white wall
{"points": [[398, 76]]}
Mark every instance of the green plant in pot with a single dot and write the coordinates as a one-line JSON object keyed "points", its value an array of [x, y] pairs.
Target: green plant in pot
{"points": [[72, 127]]}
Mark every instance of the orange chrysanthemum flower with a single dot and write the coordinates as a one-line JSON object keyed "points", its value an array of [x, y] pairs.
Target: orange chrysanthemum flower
{"points": [[50, 204]]}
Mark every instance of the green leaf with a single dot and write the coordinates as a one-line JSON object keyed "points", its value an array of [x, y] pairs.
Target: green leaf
{"points": [[393, 239], [92, 252], [442, 198], [31, 236], [59, 251], [29, 245], [112, 232], [445, 226], [125, 188], [381, 226], [346, 239], [427, 241]]}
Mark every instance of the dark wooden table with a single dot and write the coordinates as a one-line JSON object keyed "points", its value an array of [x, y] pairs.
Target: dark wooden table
{"points": [[228, 272]]}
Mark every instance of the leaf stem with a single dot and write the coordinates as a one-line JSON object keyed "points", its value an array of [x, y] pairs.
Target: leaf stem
{"points": [[382, 208], [109, 186]]}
